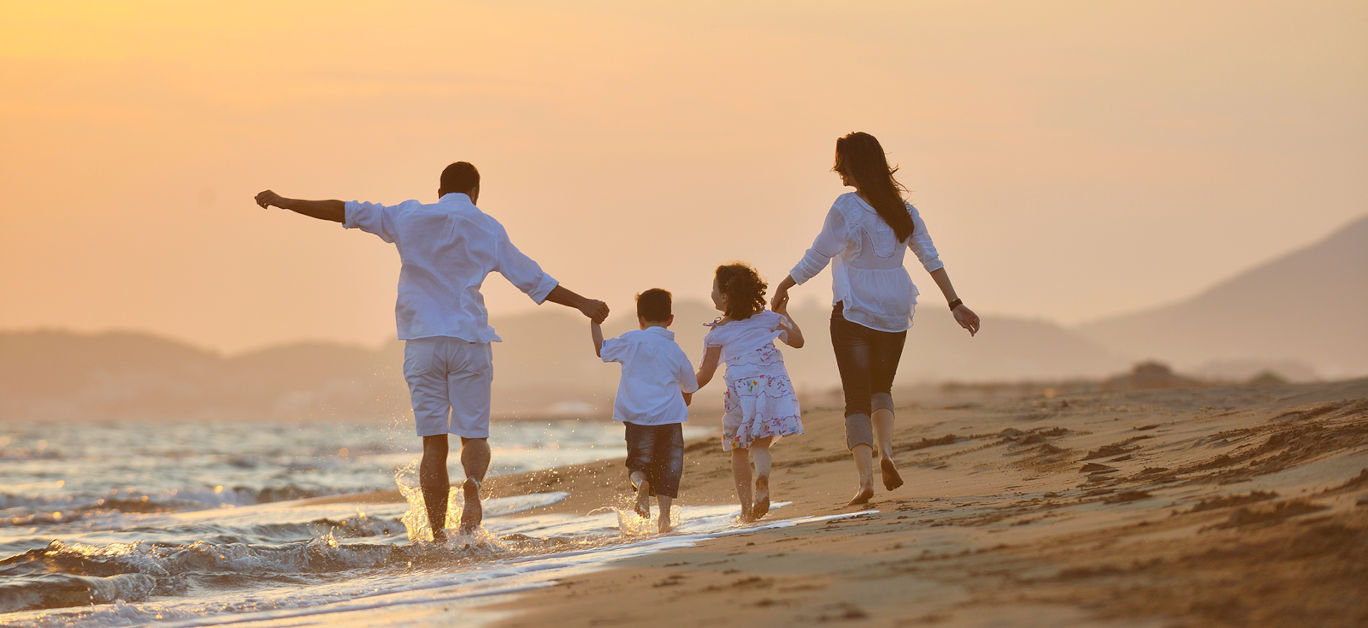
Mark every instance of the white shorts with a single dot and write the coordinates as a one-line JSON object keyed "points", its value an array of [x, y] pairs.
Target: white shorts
{"points": [[449, 385]]}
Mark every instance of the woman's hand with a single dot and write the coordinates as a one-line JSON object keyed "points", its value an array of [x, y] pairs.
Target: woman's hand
{"points": [[780, 301], [967, 319]]}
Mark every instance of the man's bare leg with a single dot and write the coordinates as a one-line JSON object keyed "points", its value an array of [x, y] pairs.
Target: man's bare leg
{"points": [[475, 462], [883, 434], [432, 477], [741, 471]]}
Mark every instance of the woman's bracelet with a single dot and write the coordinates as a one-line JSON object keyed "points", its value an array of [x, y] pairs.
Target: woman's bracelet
{"points": [[956, 303]]}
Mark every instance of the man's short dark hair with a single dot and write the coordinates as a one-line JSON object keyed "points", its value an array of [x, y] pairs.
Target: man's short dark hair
{"points": [[459, 177], [654, 305]]}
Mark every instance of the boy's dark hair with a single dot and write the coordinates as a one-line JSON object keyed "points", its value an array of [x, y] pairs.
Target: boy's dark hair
{"points": [[654, 305], [459, 177], [744, 288]]}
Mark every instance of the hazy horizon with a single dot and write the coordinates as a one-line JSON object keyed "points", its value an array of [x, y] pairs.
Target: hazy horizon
{"points": [[1072, 160]]}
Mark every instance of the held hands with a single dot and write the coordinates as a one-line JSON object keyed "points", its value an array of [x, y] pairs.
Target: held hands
{"points": [[267, 198], [596, 310], [967, 319], [779, 303]]}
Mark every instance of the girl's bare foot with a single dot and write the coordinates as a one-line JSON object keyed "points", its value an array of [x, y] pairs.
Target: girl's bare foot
{"points": [[761, 496], [471, 512], [866, 493], [889, 473]]}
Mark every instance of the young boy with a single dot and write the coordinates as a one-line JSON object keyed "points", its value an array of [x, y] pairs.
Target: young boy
{"points": [[656, 386]]}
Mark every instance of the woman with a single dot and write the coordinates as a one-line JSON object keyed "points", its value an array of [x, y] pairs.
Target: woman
{"points": [[868, 232]]}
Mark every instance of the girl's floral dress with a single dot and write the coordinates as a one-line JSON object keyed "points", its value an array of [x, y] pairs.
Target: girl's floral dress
{"points": [[759, 400]]}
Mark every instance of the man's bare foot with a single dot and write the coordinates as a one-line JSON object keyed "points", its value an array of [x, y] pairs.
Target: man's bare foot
{"points": [[439, 536], [665, 523], [761, 496], [889, 473], [866, 493], [746, 515], [471, 512]]}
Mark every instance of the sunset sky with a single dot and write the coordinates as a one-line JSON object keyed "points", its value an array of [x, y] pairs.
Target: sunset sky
{"points": [[1072, 159]]}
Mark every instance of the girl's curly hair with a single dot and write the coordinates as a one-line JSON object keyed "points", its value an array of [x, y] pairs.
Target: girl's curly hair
{"points": [[744, 288]]}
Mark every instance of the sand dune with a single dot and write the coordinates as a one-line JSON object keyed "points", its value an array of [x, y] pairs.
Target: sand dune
{"points": [[1235, 506]]}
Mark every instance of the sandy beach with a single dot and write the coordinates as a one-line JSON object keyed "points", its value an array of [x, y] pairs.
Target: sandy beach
{"points": [[1202, 506]]}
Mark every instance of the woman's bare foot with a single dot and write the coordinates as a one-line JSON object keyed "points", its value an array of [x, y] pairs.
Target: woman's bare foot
{"points": [[866, 493], [761, 496], [889, 473], [471, 512]]}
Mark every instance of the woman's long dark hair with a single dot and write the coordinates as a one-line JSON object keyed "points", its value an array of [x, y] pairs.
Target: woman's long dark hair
{"points": [[860, 157]]}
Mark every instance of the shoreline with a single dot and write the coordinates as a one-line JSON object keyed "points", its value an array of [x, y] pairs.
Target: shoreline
{"points": [[1243, 505]]}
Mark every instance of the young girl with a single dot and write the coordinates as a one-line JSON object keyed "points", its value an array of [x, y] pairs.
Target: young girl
{"points": [[760, 403]]}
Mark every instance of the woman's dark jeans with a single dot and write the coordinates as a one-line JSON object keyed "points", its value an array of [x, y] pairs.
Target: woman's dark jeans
{"points": [[867, 360]]}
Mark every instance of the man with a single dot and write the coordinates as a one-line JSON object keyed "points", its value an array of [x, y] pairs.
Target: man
{"points": [[446, 249]]}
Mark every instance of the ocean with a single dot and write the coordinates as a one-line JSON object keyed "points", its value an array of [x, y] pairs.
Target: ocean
{"points": [[128, 523]]}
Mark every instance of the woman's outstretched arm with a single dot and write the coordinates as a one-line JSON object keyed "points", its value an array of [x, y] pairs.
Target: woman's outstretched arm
{"points": [[963, 315]]}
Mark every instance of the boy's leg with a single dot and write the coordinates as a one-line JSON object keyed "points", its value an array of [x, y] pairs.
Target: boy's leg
{"points": [[475, 462], [432, 476], [665, 523], [741, 472], [668, 467], [640, 443]]}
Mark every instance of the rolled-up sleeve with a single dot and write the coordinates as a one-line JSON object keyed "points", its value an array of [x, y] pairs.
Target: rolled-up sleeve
{"points": [[831, 241], [613, 350], [521, 271], [921, 244], [371, 218]]}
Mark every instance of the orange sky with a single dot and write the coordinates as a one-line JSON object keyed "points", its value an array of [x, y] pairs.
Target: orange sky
{"points": [[1072, 159]]}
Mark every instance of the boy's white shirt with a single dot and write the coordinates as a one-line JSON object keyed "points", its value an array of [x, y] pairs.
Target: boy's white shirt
{"points": [[655, 372]]}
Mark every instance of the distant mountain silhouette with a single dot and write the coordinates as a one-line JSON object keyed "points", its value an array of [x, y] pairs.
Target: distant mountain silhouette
{"points": [[546, 366], [1309, 307]]}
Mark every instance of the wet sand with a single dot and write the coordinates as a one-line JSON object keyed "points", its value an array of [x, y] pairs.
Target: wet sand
{"points": [[1220, 506]]}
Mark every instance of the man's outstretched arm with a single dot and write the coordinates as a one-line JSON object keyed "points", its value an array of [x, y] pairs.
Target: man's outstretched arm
{"points": [[335, 211], [596, 310]]}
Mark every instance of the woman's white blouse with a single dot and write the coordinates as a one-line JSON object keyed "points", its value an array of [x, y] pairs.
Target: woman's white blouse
{"points": [[868, 274]]}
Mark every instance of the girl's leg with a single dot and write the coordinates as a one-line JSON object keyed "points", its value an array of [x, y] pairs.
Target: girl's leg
{"points": [[742, 473], [851, 344], [761, 454]]}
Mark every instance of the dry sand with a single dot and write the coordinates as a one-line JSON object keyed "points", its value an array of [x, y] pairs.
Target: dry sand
{"points": [[1222, 506]]}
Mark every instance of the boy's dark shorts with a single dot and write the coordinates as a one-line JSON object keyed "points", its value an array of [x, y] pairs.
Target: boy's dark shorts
{"points": [[658, 452]]}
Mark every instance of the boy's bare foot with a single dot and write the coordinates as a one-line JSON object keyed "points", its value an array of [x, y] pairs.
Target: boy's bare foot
{"points": [[761, 496], [866, 493], [471, 512], [643, 499], [889, 473]]}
